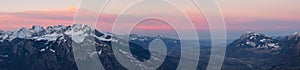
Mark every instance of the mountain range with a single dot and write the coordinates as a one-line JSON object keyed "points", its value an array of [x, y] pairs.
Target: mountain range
{"points": [[52, 48]]}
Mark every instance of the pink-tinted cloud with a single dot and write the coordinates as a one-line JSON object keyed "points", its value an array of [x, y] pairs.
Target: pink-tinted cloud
{"points": [[15, 20]]}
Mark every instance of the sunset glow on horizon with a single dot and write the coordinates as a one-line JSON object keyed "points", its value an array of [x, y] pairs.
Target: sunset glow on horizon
{"points": [[254, 15]]}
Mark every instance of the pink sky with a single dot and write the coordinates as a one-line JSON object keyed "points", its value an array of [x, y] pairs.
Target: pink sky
{"points": [[254, 15], [15, 20]]}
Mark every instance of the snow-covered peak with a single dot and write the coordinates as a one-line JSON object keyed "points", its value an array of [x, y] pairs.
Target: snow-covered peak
{"points": [[78, 32], [79, 29], [37, 28], [59, 27], [296, 34], [254, 33], [251, 35], [21, 33]]}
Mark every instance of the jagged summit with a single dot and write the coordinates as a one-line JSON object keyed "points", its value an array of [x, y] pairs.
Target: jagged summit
{"points": [[295, 36], [77, 32], [297, 33], [252, 35], [37, 28]]}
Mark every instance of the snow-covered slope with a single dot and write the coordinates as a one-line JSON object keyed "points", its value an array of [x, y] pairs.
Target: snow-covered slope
{"points": [[77, 32], [253, 43], [257, 40]]}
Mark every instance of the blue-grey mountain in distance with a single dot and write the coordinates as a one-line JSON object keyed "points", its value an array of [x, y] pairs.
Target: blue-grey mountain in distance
{"points": [[50, 48]]}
